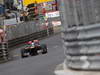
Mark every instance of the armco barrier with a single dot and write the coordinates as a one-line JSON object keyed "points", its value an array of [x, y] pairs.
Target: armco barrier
{"points": [[22, 29], [36, 35]]}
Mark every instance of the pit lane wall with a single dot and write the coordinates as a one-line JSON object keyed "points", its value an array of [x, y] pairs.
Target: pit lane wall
{"points": [[81, 33]]}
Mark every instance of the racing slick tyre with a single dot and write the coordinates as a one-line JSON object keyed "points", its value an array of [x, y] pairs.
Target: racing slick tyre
{"points": [[44, 47], [22, 53]]}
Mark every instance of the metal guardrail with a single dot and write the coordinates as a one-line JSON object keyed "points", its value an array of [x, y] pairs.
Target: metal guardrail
{"points": [[36, 35]]}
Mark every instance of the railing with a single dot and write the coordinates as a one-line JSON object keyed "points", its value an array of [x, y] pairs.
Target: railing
{"points": [[36, 35]]}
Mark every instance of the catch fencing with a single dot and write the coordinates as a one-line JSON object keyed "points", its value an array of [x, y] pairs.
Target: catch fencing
{"points": [[26, 31]]}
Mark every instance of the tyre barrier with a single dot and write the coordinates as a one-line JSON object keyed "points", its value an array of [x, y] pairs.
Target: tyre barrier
{"points": [[4, 55], [83, 47]]}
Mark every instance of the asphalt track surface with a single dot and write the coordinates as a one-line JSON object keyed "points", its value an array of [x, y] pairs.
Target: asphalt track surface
{"points": [[42, 64]]}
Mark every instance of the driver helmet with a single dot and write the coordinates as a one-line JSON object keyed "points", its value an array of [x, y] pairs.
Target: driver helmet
{"points": [[35, 41]]}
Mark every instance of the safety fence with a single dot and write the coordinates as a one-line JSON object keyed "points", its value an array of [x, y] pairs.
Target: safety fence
{"points": [[27, 31], [36, 35]]}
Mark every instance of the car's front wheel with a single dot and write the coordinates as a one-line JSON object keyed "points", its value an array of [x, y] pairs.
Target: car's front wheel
{"points": [[44, 47], [22, 53]]}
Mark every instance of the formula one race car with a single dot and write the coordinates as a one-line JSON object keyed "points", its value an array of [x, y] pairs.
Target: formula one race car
{"points": [[33, 48]]}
